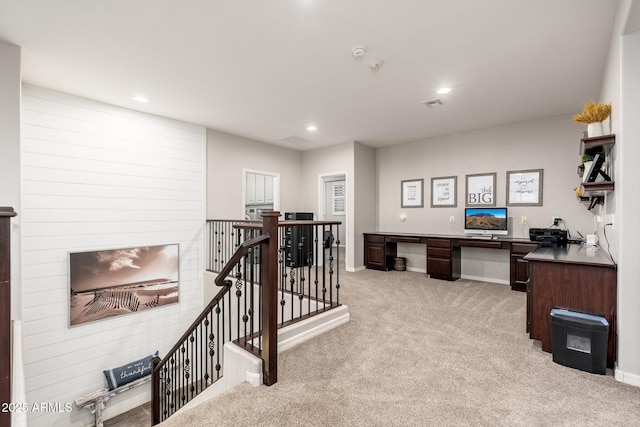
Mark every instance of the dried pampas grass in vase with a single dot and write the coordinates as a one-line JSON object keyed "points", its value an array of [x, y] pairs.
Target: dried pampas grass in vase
{"points": [[593, 115]]}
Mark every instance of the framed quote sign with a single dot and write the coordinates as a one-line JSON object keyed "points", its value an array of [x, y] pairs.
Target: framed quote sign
{"points": [[481, 189], [524, 188], [412, 193], [443, 192]]}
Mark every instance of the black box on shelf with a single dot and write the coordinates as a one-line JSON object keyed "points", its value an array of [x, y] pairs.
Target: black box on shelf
{"points": [[298, 240], [579, 340]]}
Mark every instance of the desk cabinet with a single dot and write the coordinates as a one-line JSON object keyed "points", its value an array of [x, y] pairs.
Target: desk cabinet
{"points": [[375, 252], [444, 254], [575, 278], [519, 270], [443, 259]]}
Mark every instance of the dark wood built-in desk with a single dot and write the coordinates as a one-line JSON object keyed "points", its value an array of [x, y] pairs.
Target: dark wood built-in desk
{"points": [[443, 253], [577, 278]]}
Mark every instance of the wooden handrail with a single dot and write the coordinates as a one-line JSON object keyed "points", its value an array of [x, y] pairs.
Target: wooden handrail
{"points": [[222, 281], [242, 250], [225, 283], [270, 302]]}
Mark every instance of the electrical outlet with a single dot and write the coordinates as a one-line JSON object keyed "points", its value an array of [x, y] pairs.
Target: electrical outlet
{"points": [[452, 219], [556, 220], [598, 218], [523, 220], [608, 219]]}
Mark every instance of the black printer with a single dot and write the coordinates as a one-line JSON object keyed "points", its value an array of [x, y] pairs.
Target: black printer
{"points": [[549, 237]]}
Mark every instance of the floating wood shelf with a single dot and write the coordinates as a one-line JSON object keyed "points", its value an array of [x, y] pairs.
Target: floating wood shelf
{"points": [[597, 144], [593, 193], [597, 188]]}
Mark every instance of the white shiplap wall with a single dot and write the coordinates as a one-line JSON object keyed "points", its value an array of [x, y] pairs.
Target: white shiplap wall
{"points": [[95, 176]]}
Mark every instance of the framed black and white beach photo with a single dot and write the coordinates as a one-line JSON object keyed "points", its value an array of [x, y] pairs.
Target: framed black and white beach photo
{"points": [[113, 282]]}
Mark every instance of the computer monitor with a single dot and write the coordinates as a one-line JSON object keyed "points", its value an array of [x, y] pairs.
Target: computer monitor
{"points": [[486, 221]]}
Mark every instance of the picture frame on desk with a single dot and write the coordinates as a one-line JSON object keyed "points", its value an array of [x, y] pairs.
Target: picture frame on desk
{"points": [[412, 193], [481, 189], [524, 187], [444, 192]]}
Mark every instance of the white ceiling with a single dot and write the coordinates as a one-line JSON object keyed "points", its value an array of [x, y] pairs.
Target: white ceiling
{"points": [[266, 69]]}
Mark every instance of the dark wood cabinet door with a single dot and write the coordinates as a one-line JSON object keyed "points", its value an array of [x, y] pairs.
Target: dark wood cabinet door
{"points": [[519, 273], [439, 268], [519, 268], [376, 256]]}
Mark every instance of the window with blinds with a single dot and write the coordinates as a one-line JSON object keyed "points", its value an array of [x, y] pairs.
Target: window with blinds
{"points": [[338, 198]]}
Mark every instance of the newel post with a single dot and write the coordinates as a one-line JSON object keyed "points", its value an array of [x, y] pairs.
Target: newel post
{"points": [[155, 391], [6, 214], [270, 299]]}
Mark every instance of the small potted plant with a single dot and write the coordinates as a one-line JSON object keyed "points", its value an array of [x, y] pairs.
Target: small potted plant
{"points": [[586, 164], [593, 115]]}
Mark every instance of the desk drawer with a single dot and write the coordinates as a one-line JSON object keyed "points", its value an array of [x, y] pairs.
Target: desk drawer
{"points": [[439, 268], [375, 239], [523, 248], [481, 244], [439, 253], [438, 243], [404, 239]]}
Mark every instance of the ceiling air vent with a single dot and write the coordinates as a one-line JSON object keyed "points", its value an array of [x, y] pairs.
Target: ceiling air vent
{"points": [[296, 140], [433, 103]]}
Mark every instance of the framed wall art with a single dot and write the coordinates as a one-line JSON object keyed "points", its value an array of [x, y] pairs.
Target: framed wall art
{"points": [[481, 189], [412, 191], [444, 192], [113, 282], [524, 188]]}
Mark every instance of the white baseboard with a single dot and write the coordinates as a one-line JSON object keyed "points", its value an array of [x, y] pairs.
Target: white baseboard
{"points": [[627, 378], [476, 278], [486, 279], [300, 332]]}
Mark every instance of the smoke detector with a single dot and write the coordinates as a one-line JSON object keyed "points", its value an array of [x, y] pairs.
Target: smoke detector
{"points": [[433, 103], [358, 52], [376, 65]]}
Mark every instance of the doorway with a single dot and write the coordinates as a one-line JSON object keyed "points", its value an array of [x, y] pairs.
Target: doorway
{"points": [[261, 193], [333, 205]]}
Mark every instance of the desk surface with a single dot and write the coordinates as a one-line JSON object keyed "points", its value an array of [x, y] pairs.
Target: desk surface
{"points": [[573, 254], [451, 237]]}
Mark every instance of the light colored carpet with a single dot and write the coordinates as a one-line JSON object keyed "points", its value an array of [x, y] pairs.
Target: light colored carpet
{"points": [[419, 351]]}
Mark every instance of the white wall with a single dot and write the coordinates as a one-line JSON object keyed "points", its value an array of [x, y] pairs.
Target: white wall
{"points": [[10, 88], [629, 206], [551, 144], [621, 87], [364, 198], [228, 155], [333, 160], [98, 177]]}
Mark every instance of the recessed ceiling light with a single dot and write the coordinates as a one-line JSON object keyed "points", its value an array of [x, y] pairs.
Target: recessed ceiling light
{"points": [[358, 52], [444, 90], [140, 99], [311, 128]]}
